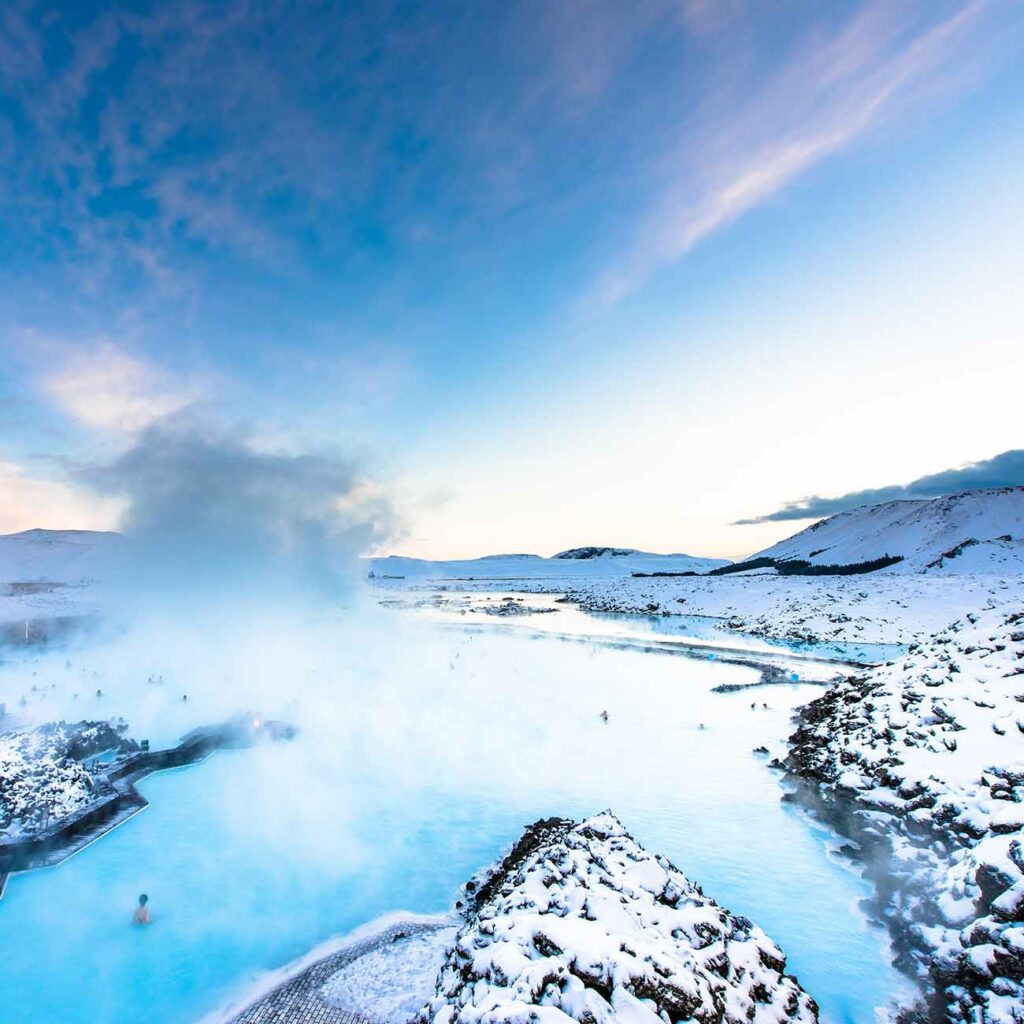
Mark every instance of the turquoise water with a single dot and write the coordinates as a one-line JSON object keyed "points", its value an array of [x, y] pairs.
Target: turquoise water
{"points": [[397, 791]]}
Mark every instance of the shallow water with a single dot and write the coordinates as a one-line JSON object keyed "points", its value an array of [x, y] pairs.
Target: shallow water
{"points": [[555, 616], [397, 791]]}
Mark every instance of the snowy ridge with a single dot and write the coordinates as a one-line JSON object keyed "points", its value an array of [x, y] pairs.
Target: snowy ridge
{"points": [[580, 923], [977, 531], [575, 563], [922, 763]]}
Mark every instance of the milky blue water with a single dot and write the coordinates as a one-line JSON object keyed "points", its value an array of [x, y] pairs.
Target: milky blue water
{"points": [[396, 792]]}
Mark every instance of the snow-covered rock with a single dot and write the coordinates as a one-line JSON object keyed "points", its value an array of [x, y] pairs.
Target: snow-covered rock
{"points": [[977, 531], [41, 774], [579, 923], [922, 764], [591, 551]]}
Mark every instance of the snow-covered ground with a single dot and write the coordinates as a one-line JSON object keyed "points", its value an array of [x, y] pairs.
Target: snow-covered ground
{"points": [[880, 607], [958, 552], [48, 574], [922, 763], [392, 982], [580, 923]]}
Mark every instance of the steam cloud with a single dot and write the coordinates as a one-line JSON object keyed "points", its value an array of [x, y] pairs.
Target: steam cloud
{"points": [[1004, 470], [208, 512]]}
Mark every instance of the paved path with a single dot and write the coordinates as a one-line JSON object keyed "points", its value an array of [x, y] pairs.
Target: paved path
{"points": [[297, 1000]]}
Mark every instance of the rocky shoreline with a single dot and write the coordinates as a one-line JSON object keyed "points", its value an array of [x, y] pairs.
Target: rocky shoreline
{"points": [[920, 764], [881, 608]]}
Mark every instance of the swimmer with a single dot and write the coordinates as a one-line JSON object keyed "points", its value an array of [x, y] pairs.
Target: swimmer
{"points": [[141, 915], [604, 716]]}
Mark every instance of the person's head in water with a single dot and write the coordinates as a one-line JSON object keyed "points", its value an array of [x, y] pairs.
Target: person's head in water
{"points": [[141, 915]]}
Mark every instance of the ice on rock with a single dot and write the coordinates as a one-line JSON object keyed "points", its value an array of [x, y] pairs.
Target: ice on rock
{"points": [[580, 923]]}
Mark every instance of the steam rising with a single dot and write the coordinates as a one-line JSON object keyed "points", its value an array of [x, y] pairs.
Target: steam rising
{"points": [[211, 514]]}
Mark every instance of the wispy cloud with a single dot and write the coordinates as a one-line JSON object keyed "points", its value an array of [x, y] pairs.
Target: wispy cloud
{"points": [[1004, 470], [107, 389], [758, 131]]}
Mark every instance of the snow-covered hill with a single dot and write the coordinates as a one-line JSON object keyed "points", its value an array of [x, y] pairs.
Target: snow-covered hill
{"points": [[576, 563], [47, 574], [54, 556], [977, 531]]}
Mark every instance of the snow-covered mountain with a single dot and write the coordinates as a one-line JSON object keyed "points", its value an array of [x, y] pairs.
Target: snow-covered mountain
{"points": [[976, 531], [575, 563]]}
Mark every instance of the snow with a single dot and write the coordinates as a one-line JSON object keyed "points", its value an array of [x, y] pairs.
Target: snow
{"points": [[958, 552], [46, 573], [580, 923], [929, 750], [63, 556], [987, 526], [566, 565], [390, 983], [879, 608], [41, 775]]}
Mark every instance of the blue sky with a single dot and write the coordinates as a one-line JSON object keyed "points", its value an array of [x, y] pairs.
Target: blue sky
{"points": [[552, 273]]}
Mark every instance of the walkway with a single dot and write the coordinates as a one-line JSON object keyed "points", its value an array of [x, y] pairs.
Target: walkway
{"points": [[297, 1000]]}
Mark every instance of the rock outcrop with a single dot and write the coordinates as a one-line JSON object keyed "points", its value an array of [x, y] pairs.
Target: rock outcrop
{"points": [[579, 923]]}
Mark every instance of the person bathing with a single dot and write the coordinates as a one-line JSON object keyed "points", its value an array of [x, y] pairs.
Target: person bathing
{"points": [[141, 915]]}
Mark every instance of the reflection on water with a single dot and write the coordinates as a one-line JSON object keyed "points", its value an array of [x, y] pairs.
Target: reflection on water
{"points": [[402, 786]]}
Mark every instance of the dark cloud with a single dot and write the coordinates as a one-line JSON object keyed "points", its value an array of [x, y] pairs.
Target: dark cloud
{"points": [[209, 512], [1005, 470]]}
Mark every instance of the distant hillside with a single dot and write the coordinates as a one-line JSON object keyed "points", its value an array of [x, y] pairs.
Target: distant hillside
{"points": [[575, 563], [55, 556], [976, 531]]}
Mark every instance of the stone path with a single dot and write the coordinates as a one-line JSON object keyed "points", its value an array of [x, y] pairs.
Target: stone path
{"points": [[297, 1000]]}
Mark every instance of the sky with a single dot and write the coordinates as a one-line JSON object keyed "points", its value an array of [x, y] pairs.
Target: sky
{"points": [[669, 275]]}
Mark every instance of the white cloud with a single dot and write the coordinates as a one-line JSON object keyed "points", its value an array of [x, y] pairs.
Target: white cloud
{"points": [[109, 390], [753, 138]]}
